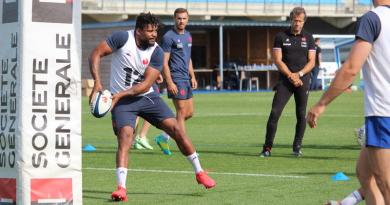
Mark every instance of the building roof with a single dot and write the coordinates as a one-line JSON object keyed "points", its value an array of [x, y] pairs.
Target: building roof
{"points": [[195, 23], [335, 41]]}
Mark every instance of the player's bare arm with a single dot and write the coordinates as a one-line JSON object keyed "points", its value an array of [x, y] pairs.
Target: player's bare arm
{"points": [[151, 75], [101, 50], [194, 83], [342, 80], [172, 88]]}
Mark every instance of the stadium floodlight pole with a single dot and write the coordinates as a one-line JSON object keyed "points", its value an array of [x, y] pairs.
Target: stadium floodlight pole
{"points": [[221, 54]]}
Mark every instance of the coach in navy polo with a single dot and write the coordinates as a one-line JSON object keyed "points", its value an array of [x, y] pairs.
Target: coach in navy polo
{"points": [[294, 56]]}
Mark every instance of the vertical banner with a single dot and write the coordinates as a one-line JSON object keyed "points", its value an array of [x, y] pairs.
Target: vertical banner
{"points": [[9, 99], [40, 102], [51, 105]]}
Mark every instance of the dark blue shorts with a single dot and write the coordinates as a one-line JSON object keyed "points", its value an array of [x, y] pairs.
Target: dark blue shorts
{"points": [[378, 132], [151, 108], [184, 90]]}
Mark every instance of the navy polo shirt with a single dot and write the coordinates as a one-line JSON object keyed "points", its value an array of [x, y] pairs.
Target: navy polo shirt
{"points": [[179, 47], [368, 27], [295, 48]]}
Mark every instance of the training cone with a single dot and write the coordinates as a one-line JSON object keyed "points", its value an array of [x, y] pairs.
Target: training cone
{"points": [[340, 176], [89, 148]]}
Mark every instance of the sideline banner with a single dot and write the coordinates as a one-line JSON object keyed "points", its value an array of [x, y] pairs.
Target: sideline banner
{"points": [[40, 113]]}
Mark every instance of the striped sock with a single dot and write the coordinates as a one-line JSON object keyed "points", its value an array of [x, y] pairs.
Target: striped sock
{"points": [[352, 199]]}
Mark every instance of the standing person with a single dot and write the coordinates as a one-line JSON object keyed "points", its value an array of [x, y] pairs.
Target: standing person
{"points": [[178, 72], [294, 56], [370, 50], [316, 69], [136, 64]]}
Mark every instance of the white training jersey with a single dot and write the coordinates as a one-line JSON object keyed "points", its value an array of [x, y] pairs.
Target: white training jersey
{"points": [[128, 65], [376, 71]]}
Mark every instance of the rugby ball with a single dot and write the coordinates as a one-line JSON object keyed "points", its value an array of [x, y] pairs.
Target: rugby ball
{"points": [[101, 103]]}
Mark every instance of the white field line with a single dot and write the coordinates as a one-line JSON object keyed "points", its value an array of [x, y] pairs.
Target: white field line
{"points": [[267, 114], [191, 172]]}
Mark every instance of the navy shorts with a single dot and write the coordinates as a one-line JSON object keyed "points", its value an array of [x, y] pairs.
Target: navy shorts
{"points": [[378, 132], [184, 90], [151, 108]]}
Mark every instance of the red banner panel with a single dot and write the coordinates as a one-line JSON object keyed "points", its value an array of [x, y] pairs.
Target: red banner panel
{"points": [[51, 191]]}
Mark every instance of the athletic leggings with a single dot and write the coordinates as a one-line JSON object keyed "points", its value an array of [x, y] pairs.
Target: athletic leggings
{"points": [[283, 92]]}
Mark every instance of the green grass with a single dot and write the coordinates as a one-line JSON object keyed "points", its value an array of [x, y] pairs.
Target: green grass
{"points": [[228, 131]]}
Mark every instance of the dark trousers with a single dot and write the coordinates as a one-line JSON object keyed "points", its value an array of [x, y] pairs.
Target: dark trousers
{"points": [[314, 76], [283, 92]]}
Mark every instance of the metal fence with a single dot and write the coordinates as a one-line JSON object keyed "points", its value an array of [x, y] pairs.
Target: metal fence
{"points": [[320, 8]]}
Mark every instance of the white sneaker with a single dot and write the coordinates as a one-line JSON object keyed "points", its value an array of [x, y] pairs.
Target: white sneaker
{"points": [[136, 145], [144, 142]]}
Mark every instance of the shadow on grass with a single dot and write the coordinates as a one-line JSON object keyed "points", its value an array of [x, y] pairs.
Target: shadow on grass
{"points": [[104, 195], [320, 147], [349, 174], [113, 151], [207, 149], [275, 154]]}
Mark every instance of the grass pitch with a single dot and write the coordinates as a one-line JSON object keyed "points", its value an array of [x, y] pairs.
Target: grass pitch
{"points": [[228, 131]]}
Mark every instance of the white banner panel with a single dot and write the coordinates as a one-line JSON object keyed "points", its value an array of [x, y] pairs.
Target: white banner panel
{"points": [[9, 99], [48, 111]]}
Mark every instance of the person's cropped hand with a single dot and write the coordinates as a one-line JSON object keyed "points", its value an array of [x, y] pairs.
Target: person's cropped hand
{"points": [[97, 87], [194, 83], [295, 79], [115, 98], [314, 113], [172, 88], [160, 79]]}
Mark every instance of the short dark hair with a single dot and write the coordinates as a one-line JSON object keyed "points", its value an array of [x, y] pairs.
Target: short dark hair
{"points": [[317, 39], [297, 11], [179, 11], [144, 19]]}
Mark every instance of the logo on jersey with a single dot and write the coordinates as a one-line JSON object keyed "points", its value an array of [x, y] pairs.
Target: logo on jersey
{"points": [[10, 11], [303, 42], [287, 42], [52, 11], [179, 45], [145, 61]]}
